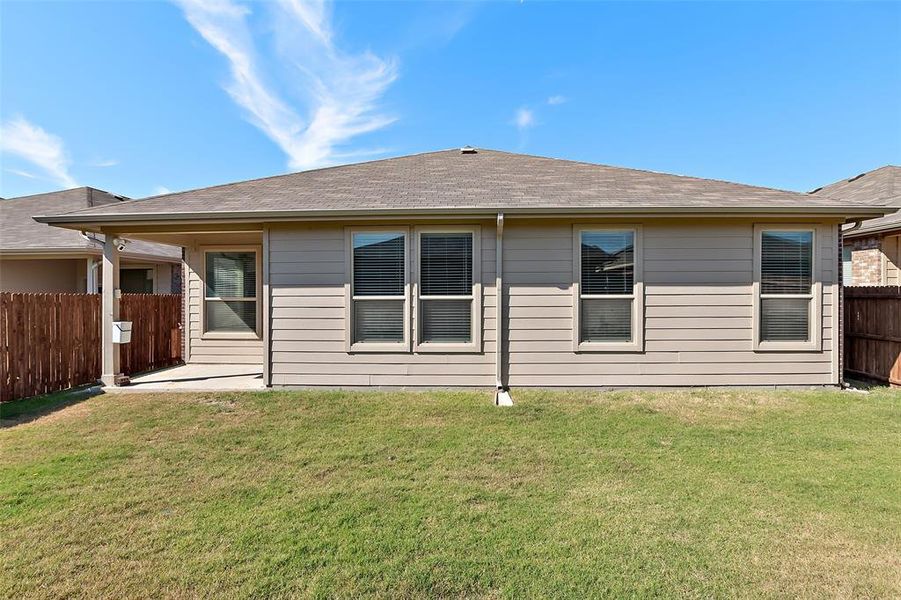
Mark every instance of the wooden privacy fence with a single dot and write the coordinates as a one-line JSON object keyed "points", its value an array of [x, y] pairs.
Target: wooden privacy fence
{"points": [[48, 342], [52, 342], [155, 333], [873, 332]]}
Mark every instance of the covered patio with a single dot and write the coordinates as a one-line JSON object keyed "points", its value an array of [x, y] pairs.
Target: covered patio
{"points": [[223, 312], [198, 378]]}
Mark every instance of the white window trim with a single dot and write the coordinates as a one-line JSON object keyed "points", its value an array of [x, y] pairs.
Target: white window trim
{"points": [[232, 335], [637, 296], [349, 345], [476, 295], [814, 342]]}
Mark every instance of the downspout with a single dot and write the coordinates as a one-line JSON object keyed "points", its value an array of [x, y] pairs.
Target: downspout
{"points": [[502, 393], [841, 301]]}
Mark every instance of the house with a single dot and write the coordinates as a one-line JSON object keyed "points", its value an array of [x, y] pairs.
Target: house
{"points": [[38, 258], [871, 253], [486, 268]]}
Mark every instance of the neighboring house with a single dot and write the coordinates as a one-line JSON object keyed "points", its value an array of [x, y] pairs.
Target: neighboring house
{"points": [[38, 258], [871, 254], [483, 268]]}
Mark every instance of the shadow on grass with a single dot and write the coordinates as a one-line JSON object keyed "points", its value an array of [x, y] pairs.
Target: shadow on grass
{"points": [[23, 411], [862, 383]]}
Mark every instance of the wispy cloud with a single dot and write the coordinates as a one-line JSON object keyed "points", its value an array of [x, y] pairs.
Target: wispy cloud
{"points": [[44, 150], [334, 95], [21, 173], [104, 163], [524, 118], [555, 100], [160, 190]]}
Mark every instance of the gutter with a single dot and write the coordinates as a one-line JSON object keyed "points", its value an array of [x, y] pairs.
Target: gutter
{"points": [[502, 393], [859, 230], [854, 227], [448, 212]]}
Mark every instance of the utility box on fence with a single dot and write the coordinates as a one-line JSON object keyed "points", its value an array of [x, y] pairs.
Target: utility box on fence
{"points": [[121, 332]]}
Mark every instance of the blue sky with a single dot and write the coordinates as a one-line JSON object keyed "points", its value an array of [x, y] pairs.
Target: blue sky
{"points": [[142, 97]]}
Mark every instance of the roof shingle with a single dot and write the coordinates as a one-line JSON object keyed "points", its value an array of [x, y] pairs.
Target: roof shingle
{"points": [[20, 233], [881, 187], [454, 181]]}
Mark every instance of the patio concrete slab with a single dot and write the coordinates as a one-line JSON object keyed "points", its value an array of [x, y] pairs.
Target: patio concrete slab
{"points": [[198, 378]]}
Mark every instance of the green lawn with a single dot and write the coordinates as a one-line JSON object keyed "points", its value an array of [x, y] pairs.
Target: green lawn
{"points": [[690, 494]]}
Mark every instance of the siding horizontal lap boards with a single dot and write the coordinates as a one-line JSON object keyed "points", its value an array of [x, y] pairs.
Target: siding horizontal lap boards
{"points": [[698, 308], [308, 328], [213, 351]]}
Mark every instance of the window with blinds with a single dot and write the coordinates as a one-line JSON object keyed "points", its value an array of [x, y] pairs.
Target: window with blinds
{"points": [[445, 287], [230, 296], [378, 287], [607, 286], [847, 266], [786, 285]]}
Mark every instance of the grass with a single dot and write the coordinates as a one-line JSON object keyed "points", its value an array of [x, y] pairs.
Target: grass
{"points": [[625, 494], [12, 413]]}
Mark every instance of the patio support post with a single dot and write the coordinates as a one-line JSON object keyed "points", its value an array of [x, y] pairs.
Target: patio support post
{"points": [[110, 310]]}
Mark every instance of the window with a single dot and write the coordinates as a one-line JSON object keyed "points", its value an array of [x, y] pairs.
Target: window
{"points": [[378, 290], [847, 266], [231, 292], [448, 289], [136, 281], [786, 288], [608, 304]]}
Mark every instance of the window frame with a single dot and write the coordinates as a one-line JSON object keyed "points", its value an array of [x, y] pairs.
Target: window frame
{"points": [[232, 335], [847, 265], [142, 267], [475, 345], [814, 342], [637, 295], [350, 345]]}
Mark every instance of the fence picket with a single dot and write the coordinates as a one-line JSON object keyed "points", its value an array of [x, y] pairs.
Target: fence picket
{"points": [[51, 342], [873, 332]]}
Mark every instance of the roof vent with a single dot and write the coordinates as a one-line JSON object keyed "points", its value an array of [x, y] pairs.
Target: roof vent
{"points": [[468, 150], [856, 178]]}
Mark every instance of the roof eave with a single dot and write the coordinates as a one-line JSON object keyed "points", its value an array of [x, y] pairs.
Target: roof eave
{"points": [[862, 232], [69, 221], [40, 253]]}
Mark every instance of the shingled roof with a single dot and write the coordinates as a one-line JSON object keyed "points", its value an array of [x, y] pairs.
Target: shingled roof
{"points": [[455, 181], [880, 186], [20, 234]]}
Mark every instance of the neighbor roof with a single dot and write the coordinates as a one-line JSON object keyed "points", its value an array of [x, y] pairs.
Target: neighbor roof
{"points": [[880, 186], [454, 181], [21, 234]]}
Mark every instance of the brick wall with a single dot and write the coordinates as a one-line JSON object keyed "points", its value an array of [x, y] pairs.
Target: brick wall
{"points": [[866, 259]]}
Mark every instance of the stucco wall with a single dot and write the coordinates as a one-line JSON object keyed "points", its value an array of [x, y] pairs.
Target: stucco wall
{"points": [[44, 275]]}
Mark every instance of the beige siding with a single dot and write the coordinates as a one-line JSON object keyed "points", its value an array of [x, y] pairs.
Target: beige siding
{"points": [[204, 350], [308, 321], [698, 311], [892, 248], [698, 314]]}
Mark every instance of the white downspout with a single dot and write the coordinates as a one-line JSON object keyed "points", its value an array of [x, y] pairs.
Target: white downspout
{"points": [[91, 278], [502, 394], [841, 302]]}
